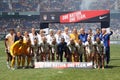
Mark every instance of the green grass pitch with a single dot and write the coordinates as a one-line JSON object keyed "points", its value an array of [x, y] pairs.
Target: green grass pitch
{"points": [[111, 73]]}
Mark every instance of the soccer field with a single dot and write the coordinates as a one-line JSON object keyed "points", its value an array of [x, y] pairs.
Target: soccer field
{"points": [[111, 73]]}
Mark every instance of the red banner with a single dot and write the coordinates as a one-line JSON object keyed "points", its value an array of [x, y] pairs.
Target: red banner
{"points": [[82, 15]]}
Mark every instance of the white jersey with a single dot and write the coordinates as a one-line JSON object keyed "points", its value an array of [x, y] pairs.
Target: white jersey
{"points": [[89, 47], [92, 37], [49, 38], [32, 37], [58, 38], [66, 37], [25, 39], [53, 48], [44, 47], [100, 47], [10, 40], [39, 39], [80, 48], [71, 47]]}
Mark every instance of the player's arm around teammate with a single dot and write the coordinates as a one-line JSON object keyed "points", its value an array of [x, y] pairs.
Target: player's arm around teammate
{"points": [[15, 51]]}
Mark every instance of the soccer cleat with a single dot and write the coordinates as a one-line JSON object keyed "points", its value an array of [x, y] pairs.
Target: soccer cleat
{"points": [[102, 67], [12, 68], [8, 66], [95, 66], [98, 68], [107, 66], [18, 67], [23, 67]]}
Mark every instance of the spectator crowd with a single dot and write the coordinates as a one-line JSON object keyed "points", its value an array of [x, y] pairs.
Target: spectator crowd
{"points": [[57, 5]]}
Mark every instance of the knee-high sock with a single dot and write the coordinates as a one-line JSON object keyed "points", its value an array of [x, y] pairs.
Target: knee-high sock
{"points": [[13, 62], [18, 60], [72, 58], [23, 61], [28, 61]]}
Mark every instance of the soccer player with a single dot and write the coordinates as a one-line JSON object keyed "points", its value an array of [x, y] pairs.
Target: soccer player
{"points": [[90, 34], [66, 34], [58, 36], [26, 49], [15, 51], [35, 52], [32, 36], [26, 37], [45, 50], [89, 49], [97, 34], [100, 52], [106, 41], [54, 51], [62, 47], [83, 37], [17, 36], [73, 51], [50, 36], [93, 56], [80, 49], [9, 40], [40, 36]]}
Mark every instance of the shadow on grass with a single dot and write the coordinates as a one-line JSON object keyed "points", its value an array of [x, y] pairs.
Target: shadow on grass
{"points": [[115, 59], [111, 67]]}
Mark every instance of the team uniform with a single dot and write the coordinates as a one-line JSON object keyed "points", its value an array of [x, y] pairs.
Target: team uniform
{"points": [[25, 50], [89, 50], [9, 42], [35, 51], [40, 39], [106, 41], [50, 38], [97, 35], [83, 37], [15, 50], [66, 37], [91, 36], [17, 38], [32, 37], [62, 47], [54, 51], [58, 38], [34, 47], [45, 51], [99, 47], [100, 53], [80, 50], [73, 52], [74, 37]]}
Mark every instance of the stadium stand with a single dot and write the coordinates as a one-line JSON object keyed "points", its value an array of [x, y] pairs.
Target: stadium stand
{"points": [[56, 5]]}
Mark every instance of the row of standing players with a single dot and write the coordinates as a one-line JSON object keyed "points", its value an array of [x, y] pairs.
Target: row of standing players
{"points": [[94, 47]]}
